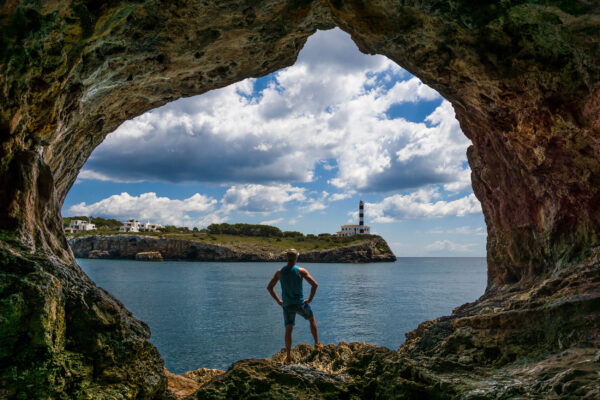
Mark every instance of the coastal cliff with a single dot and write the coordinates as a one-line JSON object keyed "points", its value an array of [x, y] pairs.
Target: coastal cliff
{"points": [[374, 249]]}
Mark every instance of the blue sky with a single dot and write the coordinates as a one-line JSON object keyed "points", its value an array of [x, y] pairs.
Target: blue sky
{"points": [[297, 149]]}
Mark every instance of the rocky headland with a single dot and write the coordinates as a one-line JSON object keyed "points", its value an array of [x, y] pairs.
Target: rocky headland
{"points": [[375, 249], [524, 80]]}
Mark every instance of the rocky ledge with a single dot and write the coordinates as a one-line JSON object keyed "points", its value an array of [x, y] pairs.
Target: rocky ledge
{"points": [[364, 371], [374, 249]]}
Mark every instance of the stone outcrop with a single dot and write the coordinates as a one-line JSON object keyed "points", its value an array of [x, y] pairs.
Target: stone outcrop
{"points": [[98, 254], [182, 386], [360, 370], [523, 77], [130, 246], [149, 256], [62, 337]]}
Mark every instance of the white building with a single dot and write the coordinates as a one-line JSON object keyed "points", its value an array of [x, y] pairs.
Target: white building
{"points": [[361, 228], [349, 230], [78, 225], [148, 227], [130, 226], [134, 226]]}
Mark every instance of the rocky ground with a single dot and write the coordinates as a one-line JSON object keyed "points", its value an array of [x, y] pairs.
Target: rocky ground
{"points": [[374, 249], [361, 371]]}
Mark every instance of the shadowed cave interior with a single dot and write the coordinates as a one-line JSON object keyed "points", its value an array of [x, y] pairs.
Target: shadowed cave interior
{"points": [[523, 78]]}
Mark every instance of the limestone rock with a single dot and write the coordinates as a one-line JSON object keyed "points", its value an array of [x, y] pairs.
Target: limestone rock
{"points": [[182, 386], [98, 254], [62, 337], [149, 256], [363, 371]]}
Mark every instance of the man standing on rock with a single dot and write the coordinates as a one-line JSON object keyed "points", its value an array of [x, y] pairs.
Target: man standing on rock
{"points": [[293, 300]]}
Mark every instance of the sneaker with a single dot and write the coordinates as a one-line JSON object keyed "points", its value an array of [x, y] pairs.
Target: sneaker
{"points": [[318, 346]]}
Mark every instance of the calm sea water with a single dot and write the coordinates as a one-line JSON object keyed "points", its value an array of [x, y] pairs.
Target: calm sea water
{"points": [[206, 314]]}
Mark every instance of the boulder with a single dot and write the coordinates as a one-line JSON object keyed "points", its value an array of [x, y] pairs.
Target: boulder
{"points": [[149, 256]]}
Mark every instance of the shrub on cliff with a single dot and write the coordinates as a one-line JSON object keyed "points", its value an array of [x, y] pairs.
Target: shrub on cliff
{"points": [[245, 230], [292, 234]]}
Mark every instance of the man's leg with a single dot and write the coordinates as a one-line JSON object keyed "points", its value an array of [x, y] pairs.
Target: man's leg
{"points": [[288, 340], [289, 316], [314, 331]]}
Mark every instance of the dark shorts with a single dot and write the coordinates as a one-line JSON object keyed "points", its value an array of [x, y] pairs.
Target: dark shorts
{"points": [[290, 311]]}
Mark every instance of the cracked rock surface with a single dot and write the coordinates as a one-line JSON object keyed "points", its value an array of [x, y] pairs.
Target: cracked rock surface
{"points": [[523, 77]]}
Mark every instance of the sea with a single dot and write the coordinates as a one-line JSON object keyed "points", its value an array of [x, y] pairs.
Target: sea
{"points": [[211, 314]]}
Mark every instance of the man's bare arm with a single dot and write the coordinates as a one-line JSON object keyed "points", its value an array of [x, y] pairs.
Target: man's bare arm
{"points": [[304, 273], [271, 287]]}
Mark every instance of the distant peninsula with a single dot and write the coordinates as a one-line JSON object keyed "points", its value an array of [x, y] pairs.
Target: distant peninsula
{"points": [[224, 242]]}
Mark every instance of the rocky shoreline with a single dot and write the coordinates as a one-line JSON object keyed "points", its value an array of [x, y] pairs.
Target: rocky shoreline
{"points": [[138, 247]]}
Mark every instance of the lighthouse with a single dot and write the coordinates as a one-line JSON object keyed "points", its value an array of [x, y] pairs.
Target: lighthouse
{"points": [[361, 228], [361, 216]]}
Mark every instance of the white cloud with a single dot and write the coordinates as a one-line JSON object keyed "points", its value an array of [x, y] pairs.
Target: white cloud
{"points": [[271, 221], [328, 166], [420, 204], [213, 218], [316, 204], [260, 198], [340, 196], [331, 105], [295, 220], [461, 230], [462, 181], [148, 206], [447, 245]]}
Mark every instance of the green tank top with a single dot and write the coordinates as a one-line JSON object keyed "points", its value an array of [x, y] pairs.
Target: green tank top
{"points": [[291, 285]]}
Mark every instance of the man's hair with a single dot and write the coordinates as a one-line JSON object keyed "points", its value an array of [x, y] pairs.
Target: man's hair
{"points": [[292, 254]]}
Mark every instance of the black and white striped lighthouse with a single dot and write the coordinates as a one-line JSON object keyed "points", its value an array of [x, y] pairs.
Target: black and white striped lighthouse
{"points": [[361, 216], [349, 230]]}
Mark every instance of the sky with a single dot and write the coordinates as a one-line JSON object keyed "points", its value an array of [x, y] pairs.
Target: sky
{"points": [[298, 149]]}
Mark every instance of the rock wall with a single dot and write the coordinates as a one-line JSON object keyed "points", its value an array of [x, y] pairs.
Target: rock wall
{"points": [[62, 337], [128, 246], [523, 77]]}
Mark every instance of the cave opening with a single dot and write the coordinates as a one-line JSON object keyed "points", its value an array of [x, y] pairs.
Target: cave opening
{"points": [[297, 149], [523, 79]]}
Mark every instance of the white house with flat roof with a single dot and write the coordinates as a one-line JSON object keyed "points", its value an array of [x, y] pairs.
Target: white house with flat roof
{"points": [[130, 226], [133, 225], [78, 225], [361, 228], [148, 227]]}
